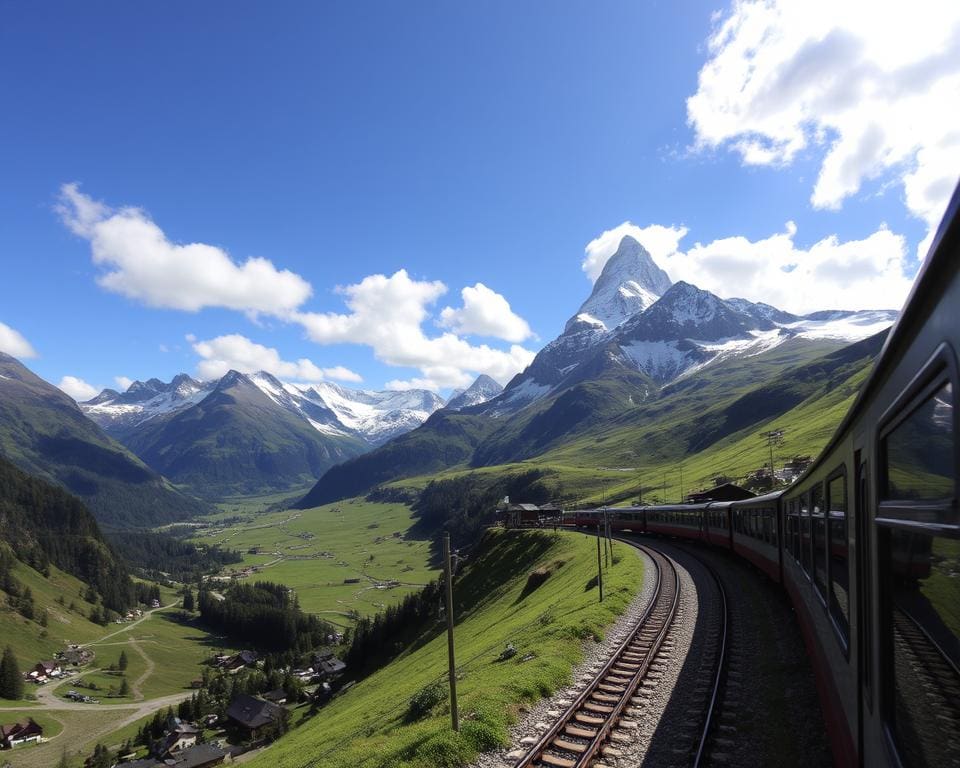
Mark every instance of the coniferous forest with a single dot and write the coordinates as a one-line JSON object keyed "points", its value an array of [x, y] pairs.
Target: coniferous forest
{"points": [[43, 525], [264, 614]]}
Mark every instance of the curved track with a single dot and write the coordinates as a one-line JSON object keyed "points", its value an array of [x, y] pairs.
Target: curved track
{"points": [[584, 728]]}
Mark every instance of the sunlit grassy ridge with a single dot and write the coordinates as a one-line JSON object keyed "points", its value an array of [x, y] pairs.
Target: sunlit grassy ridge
{"points": [[370, 725]]}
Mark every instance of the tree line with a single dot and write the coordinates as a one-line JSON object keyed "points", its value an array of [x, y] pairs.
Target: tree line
{"points": [[265, 614]]}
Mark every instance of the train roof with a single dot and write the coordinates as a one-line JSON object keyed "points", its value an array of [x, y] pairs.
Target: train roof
{"points": [[767, 498]]}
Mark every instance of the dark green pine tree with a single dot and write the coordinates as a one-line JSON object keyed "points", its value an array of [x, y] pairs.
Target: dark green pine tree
{"points": [[122, 661], [188, 600], [11, 682]]}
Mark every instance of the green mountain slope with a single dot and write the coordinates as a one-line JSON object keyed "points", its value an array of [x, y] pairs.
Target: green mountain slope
{"points": [[237, 441], [444, 440], [610, 415], [533, 589], [45, 433]]}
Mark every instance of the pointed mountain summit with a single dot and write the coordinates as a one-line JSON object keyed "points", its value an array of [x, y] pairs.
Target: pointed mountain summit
{"points": [[630, 282], [483, 389]]}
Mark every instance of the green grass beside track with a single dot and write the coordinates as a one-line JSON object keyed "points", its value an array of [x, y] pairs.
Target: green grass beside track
{"points": [[370, 726]]}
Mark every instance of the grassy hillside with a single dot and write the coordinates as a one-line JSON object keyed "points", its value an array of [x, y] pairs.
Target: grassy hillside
{"points": [[497, 601], [444, 440], [611, 416], [65, 624], [315, 551]]}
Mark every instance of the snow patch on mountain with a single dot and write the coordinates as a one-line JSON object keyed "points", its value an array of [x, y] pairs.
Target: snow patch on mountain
{"points": [[482, 390], [630, 282], [851, 327]]}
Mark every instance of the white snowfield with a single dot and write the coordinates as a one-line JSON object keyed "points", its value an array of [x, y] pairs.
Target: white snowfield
{"points": [[330, 409]]}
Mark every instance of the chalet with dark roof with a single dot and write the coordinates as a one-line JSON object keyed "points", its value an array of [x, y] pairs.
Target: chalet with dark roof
{"points": [[724, 492], [20, 732], [253, 715]]}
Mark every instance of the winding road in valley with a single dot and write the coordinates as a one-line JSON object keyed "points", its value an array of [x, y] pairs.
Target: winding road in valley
{"points": [[87, 724]]}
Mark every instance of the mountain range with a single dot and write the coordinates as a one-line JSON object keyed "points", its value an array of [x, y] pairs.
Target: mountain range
{"points": [[45, 433], [639, 348]]}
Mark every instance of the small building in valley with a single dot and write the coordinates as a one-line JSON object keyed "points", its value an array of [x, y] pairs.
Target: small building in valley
{"points": [[44, 670], [253, 715], [723, 492], [238, 661], [21, 732]]}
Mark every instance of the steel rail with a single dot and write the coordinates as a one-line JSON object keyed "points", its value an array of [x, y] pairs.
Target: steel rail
{"points": [[657, 618]]}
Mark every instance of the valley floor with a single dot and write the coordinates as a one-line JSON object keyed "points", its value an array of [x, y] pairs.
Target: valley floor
{"points": [[164, 655], [348, 559]]}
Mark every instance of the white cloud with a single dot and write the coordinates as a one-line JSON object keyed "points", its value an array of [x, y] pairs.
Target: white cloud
{"points": [[77, 388], [141, 263], [14, 344], [123, 382], [239, 353], [403, 385], [660, 241], [485, 313], [387, 314], [872, 86], [830, 274]]}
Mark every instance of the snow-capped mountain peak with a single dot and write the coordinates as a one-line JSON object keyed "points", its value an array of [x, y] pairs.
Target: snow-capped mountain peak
{"points": [[329, 408], [483, 389], [630, 282]]}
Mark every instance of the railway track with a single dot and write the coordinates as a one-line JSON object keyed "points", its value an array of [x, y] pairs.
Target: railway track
{"points": [[585, 727]]}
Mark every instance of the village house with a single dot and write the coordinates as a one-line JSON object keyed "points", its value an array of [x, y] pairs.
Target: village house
{"points": [[21, 732], [199, 756], [278, 697], [722, 492], [238, 661], [44, 670], [180, 735], [331, 668], [253, 715]]}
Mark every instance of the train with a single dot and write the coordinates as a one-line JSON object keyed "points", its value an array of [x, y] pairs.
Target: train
{"points": [[866, 542]]}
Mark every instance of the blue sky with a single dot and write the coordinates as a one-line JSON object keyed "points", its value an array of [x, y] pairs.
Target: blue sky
{"points": [[464, 143]]}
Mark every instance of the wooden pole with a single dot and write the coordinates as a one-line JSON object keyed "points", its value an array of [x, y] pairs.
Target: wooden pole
{"points": [[599, 566], [448, 577]]}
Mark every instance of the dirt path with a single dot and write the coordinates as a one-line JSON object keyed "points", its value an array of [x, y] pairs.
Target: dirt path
{"points": [[83, 729], [151, 666], [132, 624]]}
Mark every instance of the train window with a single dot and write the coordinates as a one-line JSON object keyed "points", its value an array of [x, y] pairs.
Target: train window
{"points": [[805, 535], [919, 454], [839, 566], [818, 540], [922, 645]]}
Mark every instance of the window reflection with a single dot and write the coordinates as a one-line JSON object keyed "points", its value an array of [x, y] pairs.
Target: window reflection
{"points": [[839, 564], [818, 540], [920, 451], [925, 623]]}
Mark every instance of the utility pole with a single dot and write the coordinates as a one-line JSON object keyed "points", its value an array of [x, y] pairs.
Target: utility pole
{"points": [[774, 437], [681, 483], [606, 540], [640, 487], [448, 577], [664, 487], [599, 566]]}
